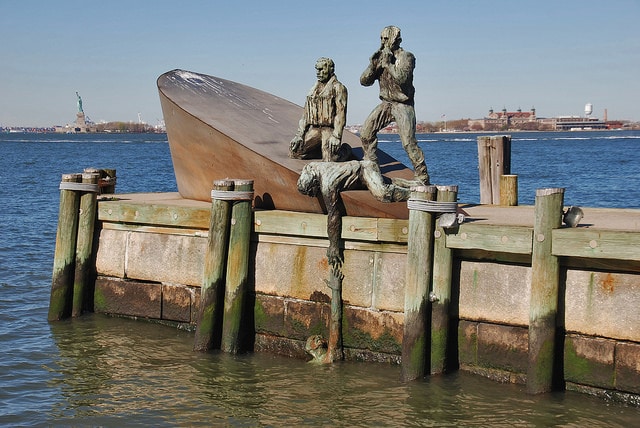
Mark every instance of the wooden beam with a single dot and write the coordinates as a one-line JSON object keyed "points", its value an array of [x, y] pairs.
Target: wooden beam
{"points": [[153, 213], [507, 239], [596, 243]]}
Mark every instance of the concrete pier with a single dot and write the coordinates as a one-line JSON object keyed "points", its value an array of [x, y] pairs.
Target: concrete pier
{"points": [[151, 255]]}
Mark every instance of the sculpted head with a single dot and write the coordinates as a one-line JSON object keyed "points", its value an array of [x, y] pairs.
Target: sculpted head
{"points": [[390, 37], [324, 69], [316, 346], [308, 182]]}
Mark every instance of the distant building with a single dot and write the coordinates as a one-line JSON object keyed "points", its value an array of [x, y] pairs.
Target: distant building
{"points": [[573, 123], [528, 121], [503, 120]]}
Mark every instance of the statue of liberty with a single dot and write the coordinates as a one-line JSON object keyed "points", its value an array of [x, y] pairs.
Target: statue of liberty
{"points": [[79, 103]]}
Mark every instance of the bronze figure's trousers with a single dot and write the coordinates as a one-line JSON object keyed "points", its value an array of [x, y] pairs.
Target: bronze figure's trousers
{"points": [[405, 117]]}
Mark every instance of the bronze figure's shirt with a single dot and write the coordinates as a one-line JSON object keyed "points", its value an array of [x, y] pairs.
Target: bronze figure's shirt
{"points": [[396, 85], [324, 105]]}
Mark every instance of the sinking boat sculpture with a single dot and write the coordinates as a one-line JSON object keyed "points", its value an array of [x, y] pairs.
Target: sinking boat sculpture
{"points": [[221, 129]]}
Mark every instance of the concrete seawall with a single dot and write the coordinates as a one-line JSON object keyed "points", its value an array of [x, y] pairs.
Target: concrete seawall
{"points": [[150, 265]]}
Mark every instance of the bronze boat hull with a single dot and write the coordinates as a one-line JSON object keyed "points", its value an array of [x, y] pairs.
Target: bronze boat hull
{"points": [[221, 129]]}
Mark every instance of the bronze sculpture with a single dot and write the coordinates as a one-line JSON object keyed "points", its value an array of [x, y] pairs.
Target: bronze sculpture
{"points": [[323, 121], [327, 180], [393, 67], [325, 113]]}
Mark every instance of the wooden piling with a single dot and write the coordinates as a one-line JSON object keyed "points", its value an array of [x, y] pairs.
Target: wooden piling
{"points": [[209, 322], [237, 269], [545, 280], [494, 160], [82, 295], [107, 181], [418, 276], [64, 256], [441, 290], [509, 190]]}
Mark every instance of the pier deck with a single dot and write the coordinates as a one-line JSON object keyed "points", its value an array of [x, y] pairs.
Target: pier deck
{"points": [[594, 218]]}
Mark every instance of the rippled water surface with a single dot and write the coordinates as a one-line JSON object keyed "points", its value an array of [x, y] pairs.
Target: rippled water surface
{"points": [[597, 169], [101, 371]]}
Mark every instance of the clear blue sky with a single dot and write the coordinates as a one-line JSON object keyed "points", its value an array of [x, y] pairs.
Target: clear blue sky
{"points": [[553, 55]]}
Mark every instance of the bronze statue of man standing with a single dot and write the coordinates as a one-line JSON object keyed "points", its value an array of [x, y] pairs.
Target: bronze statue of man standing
{"points": [[325, 114], [393, 67]]}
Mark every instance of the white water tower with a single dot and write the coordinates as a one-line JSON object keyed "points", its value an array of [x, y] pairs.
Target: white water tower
{"points": [[588, 109]]}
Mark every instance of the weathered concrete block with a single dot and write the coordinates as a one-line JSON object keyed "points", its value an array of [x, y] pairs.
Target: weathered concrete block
{"points": [[303, 319], [468, 342], [165, 258], [299, 272], [589, 361], [497, 293], [628, 367], [503, 347], [373, 330], [290, 270], [603, 304], [110, 258], [358, 270], [389, 281], [269, 315], [116, 296], [177, 302], [280, 346]]}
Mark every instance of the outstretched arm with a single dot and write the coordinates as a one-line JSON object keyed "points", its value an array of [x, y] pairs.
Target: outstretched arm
{"points": [[334, 227]]}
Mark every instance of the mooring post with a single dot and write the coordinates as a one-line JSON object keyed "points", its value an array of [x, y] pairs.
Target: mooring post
{"points": [[82, 294], [418, 277], [545, 279], [209, 322], [237, 266], [440, 295], [65, 251], [509, 190], [107, 180], [494, 160]]}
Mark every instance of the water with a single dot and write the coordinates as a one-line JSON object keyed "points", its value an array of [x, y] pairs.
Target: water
{"points": [[597, 169], [101, 371]]}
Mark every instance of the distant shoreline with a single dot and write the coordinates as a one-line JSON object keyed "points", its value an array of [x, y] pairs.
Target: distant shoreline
{"points": [[29, 130], [510, 131]]}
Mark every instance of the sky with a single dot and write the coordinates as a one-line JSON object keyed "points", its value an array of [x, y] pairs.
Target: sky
{"points": [[555, 56]]}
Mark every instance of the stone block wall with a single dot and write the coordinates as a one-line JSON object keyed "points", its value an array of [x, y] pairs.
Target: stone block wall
{"points": [[156, 273], [293, 301]]}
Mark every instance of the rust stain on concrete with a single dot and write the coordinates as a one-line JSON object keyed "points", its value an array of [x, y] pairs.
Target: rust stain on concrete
{"points": [[608, 283]]}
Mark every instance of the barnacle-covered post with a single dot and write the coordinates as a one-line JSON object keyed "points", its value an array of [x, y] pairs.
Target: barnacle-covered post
{"points": [[82, 287], [545, 283], [64, 256], [209, 322], [418, 277], [440, 295], [237, 275]]}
